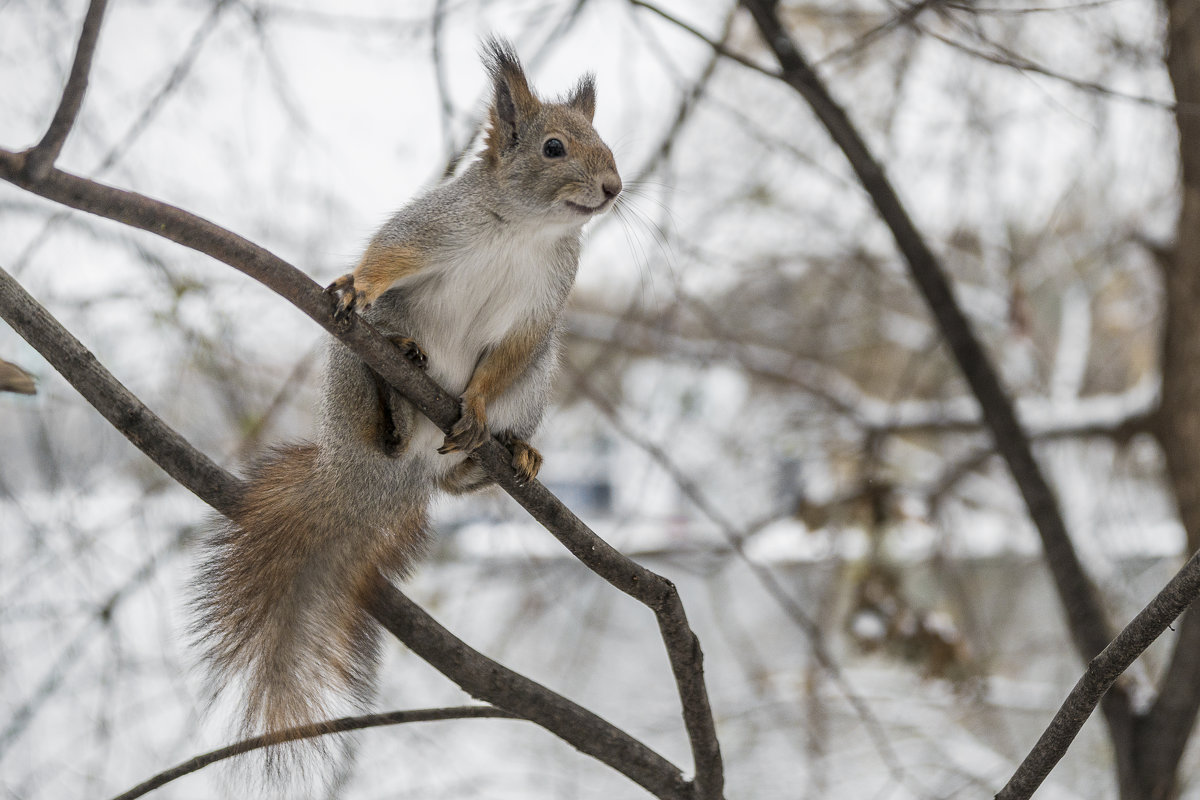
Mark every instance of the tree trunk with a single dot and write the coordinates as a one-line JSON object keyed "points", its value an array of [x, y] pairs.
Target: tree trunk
{"points": [[1162, 733]]}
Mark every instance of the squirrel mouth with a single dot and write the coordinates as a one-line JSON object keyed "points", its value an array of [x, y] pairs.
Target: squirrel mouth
{"points": [[582, 209]]}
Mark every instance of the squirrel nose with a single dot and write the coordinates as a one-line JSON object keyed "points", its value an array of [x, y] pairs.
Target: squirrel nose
{"points": [[611, 186]]}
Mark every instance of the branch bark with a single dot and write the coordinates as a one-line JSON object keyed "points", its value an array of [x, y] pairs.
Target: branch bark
{"points": [[1166, 728]]}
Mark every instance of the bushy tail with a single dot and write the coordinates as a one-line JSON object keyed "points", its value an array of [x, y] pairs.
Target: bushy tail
{"points": [[279, 598]]}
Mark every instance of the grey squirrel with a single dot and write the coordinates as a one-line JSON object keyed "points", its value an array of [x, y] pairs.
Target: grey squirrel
{"points": [[469, 280]]}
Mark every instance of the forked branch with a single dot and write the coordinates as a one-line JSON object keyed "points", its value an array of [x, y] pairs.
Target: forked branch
{"points": [[43, 155]]}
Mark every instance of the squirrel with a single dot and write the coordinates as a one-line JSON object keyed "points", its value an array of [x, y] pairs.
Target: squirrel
{"points": [[469, 280]]}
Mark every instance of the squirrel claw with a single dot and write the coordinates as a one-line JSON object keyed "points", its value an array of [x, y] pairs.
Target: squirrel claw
{"points": [[348, 298], [526, 461], [468, 434], [412, 351]]}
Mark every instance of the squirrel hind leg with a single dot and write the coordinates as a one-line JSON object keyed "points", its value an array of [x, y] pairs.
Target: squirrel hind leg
{"points": [[394, 420], [464, 478]]}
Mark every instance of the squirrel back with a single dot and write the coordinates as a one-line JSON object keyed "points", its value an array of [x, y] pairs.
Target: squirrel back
{"points": [[469, 281]]}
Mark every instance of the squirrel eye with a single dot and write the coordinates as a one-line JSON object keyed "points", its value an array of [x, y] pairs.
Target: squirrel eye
{"points": [[554, 148]]}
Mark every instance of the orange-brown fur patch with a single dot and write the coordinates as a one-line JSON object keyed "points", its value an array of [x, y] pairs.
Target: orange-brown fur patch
{"points": [[502, 365], [382, 265], [496, 371]]}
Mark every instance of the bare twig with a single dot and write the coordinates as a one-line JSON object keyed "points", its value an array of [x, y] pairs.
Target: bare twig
{"points": [[717, 46], [342, 725], [43, 155], [1004, 57], [1118, 415], [52, 681], [445, 108], [139, 126]]}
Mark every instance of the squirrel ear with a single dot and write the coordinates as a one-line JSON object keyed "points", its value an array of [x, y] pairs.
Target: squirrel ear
{"points": [[583, 98], [513, 101]]}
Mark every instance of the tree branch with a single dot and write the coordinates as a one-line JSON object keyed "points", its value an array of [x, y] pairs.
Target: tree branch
{"points": [[343, 725], [187, 465], [43, 155], [718, 46], [35, 172], [1086, 619], [483, 678]]}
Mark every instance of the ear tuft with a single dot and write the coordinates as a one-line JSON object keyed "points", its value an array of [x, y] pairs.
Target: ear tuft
{"points": [[583, 98], [513, 102]]}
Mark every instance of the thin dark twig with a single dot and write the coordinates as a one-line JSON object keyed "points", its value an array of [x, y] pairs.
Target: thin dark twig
{"points": [[45, 152], [55, 676], [1005, 57], [443, 88], [903, 16], [718, 47], [688, 103], [251, 439], [135, 130], [342, 725], [971, 8]]}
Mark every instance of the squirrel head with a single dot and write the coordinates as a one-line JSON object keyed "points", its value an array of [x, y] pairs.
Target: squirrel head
{"points": [[546, 155]]}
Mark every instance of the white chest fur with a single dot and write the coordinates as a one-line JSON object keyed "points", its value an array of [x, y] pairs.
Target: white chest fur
{"points": [[479, 293]]}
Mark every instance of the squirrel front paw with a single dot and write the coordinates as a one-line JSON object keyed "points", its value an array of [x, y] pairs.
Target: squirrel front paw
{"points": [[526, 461], [346, 297], [411, 350], [469, 433]]}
